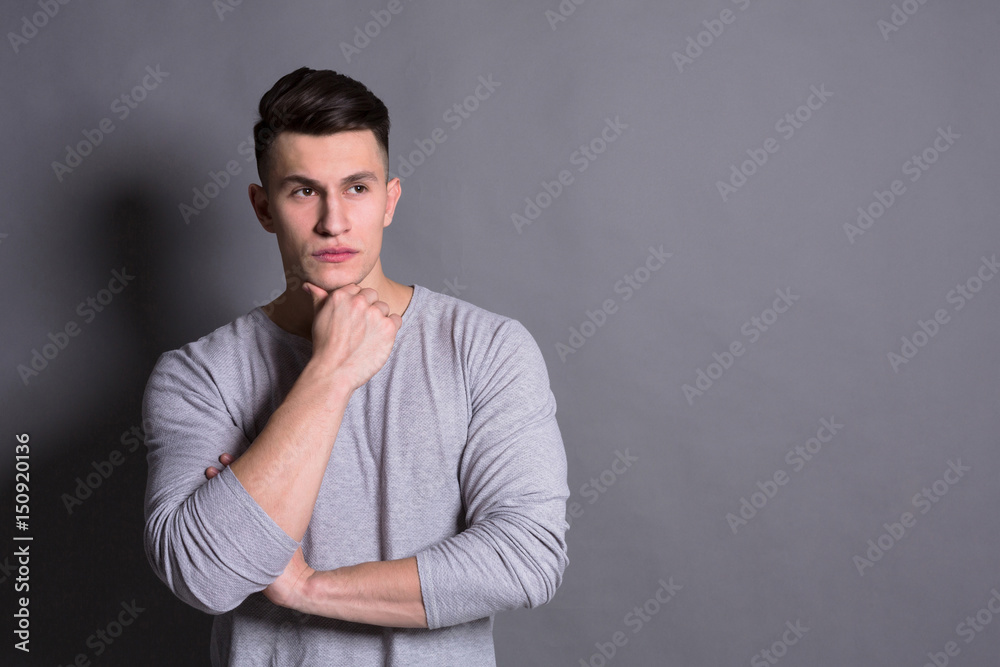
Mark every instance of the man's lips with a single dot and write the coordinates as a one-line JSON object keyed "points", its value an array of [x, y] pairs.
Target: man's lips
{"points": [[338, 254]]}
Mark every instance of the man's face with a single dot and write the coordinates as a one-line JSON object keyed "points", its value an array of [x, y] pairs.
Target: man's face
{"points": [[327, 201]]}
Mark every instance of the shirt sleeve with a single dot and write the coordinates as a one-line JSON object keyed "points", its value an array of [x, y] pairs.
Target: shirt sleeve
{"points": [[207, 540], [512, 477]]}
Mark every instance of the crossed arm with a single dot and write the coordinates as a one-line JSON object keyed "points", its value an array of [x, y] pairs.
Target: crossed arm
{"points": [[379, 592]]}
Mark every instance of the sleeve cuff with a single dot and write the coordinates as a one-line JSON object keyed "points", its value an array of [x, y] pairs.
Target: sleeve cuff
{"points": [[262, 526]]}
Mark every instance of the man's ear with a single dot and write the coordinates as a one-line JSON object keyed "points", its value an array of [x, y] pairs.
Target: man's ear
{"points": [[261, 207], [394, 189]]}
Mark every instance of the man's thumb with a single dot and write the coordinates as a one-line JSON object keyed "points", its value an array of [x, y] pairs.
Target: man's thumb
{"points": [[315, 292]]}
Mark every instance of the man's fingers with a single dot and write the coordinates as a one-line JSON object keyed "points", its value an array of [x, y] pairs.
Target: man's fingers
{"points": [[225, 459], [383, 306], [369, 294]]}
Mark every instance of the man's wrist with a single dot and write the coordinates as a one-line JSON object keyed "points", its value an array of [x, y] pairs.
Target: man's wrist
{"points": [[305, 593], [328, 384]]}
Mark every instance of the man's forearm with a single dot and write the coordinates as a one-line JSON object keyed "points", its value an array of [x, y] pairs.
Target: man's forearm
{"points": [[383, 593], [283, 468]]}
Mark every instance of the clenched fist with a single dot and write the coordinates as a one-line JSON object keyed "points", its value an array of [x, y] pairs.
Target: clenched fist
{"points": [[352, 332]]}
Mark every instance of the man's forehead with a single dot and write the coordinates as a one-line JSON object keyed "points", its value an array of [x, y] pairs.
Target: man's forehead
{"points": [[349, 149]]}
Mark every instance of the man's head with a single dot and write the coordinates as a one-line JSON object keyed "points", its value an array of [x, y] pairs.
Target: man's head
{"points": [[317, 102], [322, 145]]}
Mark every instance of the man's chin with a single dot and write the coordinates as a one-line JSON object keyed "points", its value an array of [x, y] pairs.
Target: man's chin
{"points": [[331, 276], [328, 283]]}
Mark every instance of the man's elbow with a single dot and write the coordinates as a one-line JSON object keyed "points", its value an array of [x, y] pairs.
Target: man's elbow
{"points": [[548, 578], [191, 585], [209, 604], [206, 598], [535, 554]]}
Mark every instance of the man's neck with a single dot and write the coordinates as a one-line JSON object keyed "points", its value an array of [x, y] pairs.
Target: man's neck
{"points": [[293, 310]]}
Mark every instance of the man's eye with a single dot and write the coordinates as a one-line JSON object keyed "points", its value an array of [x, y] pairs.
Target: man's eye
{"points": [[359, 186], [304, 191]]}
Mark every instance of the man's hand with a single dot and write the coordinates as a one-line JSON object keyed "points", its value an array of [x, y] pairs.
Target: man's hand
{"points": [[352, 332], [225, 459]]}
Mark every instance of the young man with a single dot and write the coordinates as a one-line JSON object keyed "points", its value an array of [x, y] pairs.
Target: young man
{"points": [[392, 473]]}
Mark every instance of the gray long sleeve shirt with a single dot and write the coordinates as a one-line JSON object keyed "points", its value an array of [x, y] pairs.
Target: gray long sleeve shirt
{"points": [[450, 453]]}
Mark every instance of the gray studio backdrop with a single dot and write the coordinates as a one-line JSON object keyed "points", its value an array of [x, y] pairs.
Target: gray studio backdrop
{"points": [[756, 241]]}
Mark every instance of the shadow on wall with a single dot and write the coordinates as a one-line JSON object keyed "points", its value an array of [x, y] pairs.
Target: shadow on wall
{"points": [[93, 597]]}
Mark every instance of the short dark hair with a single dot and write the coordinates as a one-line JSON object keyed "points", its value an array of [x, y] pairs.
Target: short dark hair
{"points": [[318, 102]]}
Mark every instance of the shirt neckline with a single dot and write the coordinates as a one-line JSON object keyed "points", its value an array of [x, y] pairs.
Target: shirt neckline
{"points": [[287, 336]]}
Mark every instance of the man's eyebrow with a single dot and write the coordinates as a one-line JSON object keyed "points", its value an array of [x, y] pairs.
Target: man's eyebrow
{"points": [[300, 180], [364, 176], [368, 176]]}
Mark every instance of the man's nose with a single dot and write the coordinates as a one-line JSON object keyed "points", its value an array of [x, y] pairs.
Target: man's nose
{"points": [[332, 218]]}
